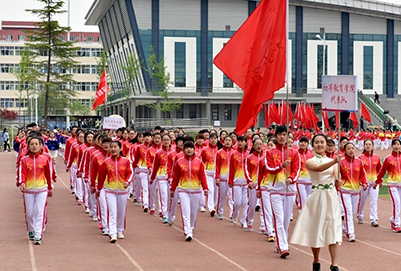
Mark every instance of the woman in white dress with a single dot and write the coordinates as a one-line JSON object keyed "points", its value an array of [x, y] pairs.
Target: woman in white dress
{"points": [[319, 223]]}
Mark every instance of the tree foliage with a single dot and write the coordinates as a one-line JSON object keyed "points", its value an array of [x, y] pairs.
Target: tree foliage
{"points": [[54, 55]]}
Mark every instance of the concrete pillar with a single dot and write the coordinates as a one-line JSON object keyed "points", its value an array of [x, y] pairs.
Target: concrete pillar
{"points": [[132, 109], [158, 112], [208, 112]]}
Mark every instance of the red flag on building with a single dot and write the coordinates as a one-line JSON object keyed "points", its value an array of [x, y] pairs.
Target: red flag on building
{"points": [[365, 113], [101, 93], [257, 62], [354, 119]]}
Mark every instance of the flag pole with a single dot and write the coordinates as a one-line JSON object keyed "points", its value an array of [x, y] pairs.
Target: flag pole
{"points": [[339, 137]]}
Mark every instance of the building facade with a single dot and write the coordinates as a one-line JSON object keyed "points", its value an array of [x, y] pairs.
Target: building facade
{"points": [[12, 42], [362, 37]]}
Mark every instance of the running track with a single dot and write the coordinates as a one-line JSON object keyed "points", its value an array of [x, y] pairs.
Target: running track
{"points": [[73, 242]]}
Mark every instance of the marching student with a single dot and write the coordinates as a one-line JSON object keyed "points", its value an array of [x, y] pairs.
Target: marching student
{"points": [[135, 187], [282, 186], [88, 141], [352, 177], [372, 166], [304, 183], [189, 179], [115, 175], [53, 144], [221, 176], [392, 165], [159, 175], [208, 156], [72, 166], [150, 155], [236, 180], [101, 204], [36, 186]]}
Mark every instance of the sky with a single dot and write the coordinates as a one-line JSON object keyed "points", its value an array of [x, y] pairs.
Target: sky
{"points": [[14, 10]]}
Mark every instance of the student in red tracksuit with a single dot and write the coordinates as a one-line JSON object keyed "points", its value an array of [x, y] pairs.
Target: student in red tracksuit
{"points": [[304, 183], [159, 175], [392, 165], [251, 173], [72, 166], [171, 159], [88, 141], [221, 176], [97, 162], [282, 186], [135, 187], [208, 156], [199, 141], [353, 176], [68, 144], [237, 180], [372, 166], [150, 155], [115, 175], [36, 186], [189, 179]]}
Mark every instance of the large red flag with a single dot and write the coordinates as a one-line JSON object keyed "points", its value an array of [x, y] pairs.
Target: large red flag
{"points": [[101, 93], [365, 113], [325, 118], [274, 116], [255, 58], [354, 119]]}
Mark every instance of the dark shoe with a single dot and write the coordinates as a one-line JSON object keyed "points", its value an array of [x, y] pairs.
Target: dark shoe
{"points": [[257, 208], [284, 254], [333, 268], [316, 266]]}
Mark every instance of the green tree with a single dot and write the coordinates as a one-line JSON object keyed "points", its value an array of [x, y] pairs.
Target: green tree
{"points": [[161, 80], [27, 75], [53, 55]]}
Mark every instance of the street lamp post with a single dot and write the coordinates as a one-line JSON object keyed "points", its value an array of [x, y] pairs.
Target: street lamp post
{"points": [[322, 30]]}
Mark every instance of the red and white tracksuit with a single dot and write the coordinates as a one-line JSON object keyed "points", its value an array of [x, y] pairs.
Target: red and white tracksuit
{"points": [[72, 166], [392, 165], [266, 224], [135, 187], [251, 173], [304, 183], [140, 166], [222, 168], [159, 174], [86, 175], [70, 141], [114, 173], [35, 175], [172, 158], [372, 166], [282, 197], [208, 156], [352, 176], [150, 155], [189, 179], [80, 168], [236, 179]]}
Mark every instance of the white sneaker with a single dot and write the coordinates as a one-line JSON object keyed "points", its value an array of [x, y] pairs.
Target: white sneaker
{"points": [[105, 232], [351, 239], [188, 238], [234, 221], [170, 222], [94, 219], [87, 211], [244, 226], [374, 224], [360, 220], [202, 209], [113, 239], [120, 235]]}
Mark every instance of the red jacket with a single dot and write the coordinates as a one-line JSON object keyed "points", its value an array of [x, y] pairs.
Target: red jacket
{"points": [[150, 155], [352, 174], [222, 163], [68, 144], [87, 163], [208, 157], [252, 167], [96, 164], [160, 164], [189, 174], [236, 174], [372, 165], [171, 159], [114, 173], [140, 157], [80, 158], [74, 151], [304, 176], [35, 173], [392, 165]]}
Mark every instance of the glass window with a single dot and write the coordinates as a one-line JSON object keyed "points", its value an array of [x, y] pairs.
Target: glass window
{"points": [[179, 114], [90, 39], [368, 67], [215, 112], [20, 37], [180, 64], [227, 111], [192, 111]]}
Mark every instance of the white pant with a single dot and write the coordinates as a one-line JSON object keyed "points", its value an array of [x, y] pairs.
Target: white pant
{"points": [[73, 178], [266, 223], [144, 189], [303, 190], [86, 190], [93, 204], [222, 196], [281, 204], [373, 194], [136, 186], [395, 194], [79, 189], [35, 205], [117, 208], [240, 198], [350, 203], [189, 203], [102, 210], [164, 190], [172, 207], [212, 195]]}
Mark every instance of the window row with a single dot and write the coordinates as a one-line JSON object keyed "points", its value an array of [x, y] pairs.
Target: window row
{"points": [[11, 102], [16, 50], [79, 69], [77, 86]]}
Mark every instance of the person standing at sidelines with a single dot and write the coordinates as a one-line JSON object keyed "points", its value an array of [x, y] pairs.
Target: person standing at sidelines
{"points": [[208, 156], [372, 166], [283, 167], [160, 173], [189, 178], [353, 176], [304, 183], [238, 183], [115, 175], [392, 165], [219, 195], [36, 186]]}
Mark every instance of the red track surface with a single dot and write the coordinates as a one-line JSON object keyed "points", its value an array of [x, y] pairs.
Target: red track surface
{"points": [[73, 242]]}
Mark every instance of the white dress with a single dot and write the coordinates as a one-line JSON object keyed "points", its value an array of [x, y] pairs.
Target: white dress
{"points": [[319, 223]]}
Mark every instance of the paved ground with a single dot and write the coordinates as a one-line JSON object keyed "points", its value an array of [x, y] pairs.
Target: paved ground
{"points": [[73, 242]]}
